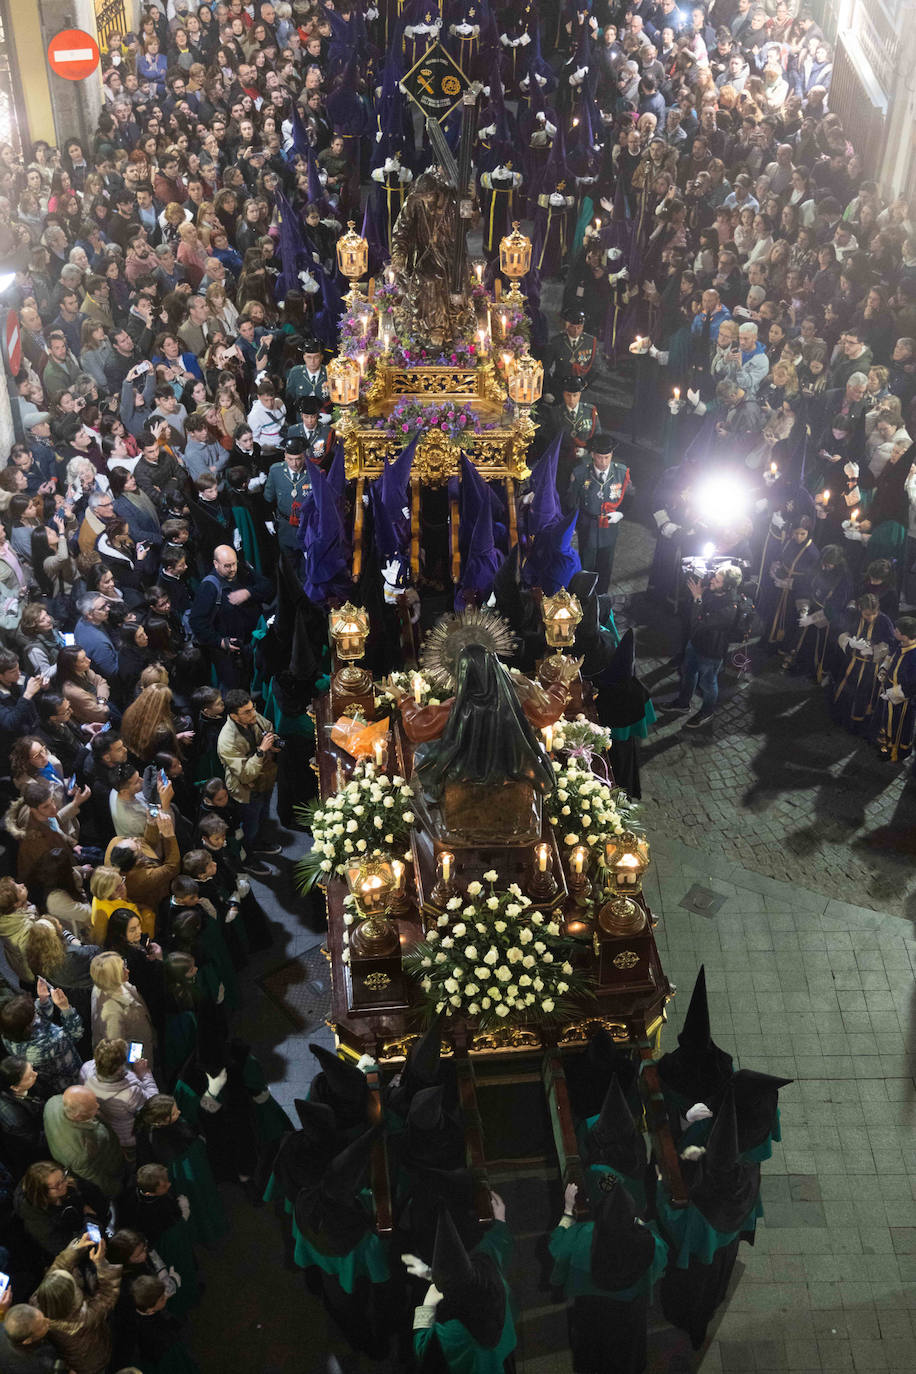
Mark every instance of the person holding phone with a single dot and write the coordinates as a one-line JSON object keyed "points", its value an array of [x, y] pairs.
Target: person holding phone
{"points": [[78, 1320], [120, 1087]]}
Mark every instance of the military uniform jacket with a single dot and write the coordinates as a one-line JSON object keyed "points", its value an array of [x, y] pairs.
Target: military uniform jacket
{"points": [[288, 492], [579, 424], [317, 440], [572, 358], [299, 384], [598, 495]]}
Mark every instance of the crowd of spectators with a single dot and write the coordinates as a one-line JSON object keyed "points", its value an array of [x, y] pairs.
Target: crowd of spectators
{"points": [[171, 403]]}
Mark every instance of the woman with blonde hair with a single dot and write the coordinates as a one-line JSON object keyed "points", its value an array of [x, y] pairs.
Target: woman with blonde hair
{"points": [[148, 726], [222, 309], [192, 252], [118, 1010], [62, 960], [109, 894]]}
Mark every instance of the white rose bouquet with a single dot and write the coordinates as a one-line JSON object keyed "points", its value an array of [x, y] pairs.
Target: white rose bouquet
{"points": [[496, 958], [582, 735], [585, 810], [369, 818]]}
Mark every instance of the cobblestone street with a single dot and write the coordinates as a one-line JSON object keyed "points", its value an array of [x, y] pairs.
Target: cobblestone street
{"points": [[773, 784]]}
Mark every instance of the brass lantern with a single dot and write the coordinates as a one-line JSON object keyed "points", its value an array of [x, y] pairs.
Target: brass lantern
{"points": [[373, 883], [353, 261], [514, 261], [561, 615], [526, 382], [349, 630], [343, 381], [626, 859]]}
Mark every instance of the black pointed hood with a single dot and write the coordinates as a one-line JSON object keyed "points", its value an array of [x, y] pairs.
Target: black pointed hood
{"points": [[621, 696], [346, 1173], [328, 1210], [756, 1100], [316, 1119], [340, 1086], [622, 1249], [589, 1074], [422, 1069], [615, 1139], [451, 1266], [698, 1071], [721, 1186], [425, 1112], [434, 1137]]}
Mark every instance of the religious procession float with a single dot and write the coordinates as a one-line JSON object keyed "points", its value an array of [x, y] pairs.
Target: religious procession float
{"points": [[478, 862]]}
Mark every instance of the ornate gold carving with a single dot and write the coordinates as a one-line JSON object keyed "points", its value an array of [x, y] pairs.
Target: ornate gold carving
{"points": [[376, 982], [393, 1051], [578, 1032], [497, 453], [435, 459], [505, 1038], [626, 959]]}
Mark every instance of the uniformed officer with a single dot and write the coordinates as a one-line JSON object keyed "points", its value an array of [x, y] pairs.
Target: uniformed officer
{"points": [[597, 491], [287, 491], [310, 378], [577, 421], [573, 351], [314, 431]]}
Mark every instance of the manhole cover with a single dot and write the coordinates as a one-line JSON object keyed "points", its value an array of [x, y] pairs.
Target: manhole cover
{"points": [[301, 989], [702, 901]]}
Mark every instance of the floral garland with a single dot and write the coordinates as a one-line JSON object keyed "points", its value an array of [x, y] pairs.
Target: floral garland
{"points": [[495, 957], [459, 421], [585, 810], [363, 328], [369, 818]]}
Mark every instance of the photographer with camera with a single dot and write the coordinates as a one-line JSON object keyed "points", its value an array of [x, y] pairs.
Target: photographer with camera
{"points": [[247, 749], [714, 612]]}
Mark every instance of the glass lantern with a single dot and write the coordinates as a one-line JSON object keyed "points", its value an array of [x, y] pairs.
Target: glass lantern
{"points": [[515, 261], [526, 381], [626, 858], [353, 261], [561, 614], [349, 629], [372, 883], [343, 381]]}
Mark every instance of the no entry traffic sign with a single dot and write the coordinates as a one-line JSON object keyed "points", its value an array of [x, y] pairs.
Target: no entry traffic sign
{"points": [[73, 54]]}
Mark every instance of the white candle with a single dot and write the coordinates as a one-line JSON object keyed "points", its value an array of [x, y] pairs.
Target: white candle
{"points": [[479, 270], [825, 495], [577, 863], [677, 393], [380, 750], [542, 853], [547, 732], [386, 341], [446, 867], [505, 324], [362, 364], [418, 689]]}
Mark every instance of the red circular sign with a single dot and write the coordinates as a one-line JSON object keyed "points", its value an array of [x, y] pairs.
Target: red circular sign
{"points": [[12, 343], [73, 54]]}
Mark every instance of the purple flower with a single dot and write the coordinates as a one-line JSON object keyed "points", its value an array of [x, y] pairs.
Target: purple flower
{"points": [[462, 420], [405, 429]]}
